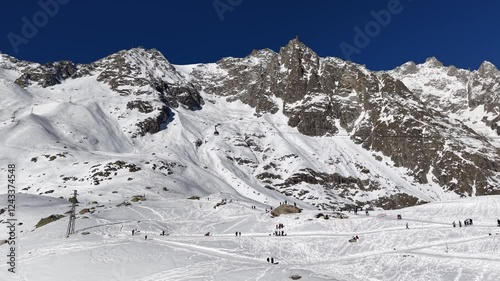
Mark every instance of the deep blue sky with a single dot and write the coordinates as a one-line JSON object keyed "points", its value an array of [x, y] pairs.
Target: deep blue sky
{"points": [[458, 32]]}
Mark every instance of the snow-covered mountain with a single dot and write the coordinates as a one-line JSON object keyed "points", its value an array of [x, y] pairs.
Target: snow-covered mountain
{"points": [[270, 126], [191, 149]]}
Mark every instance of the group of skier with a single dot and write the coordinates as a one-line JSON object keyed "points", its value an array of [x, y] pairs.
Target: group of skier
{"points": [[466, 223], [271, 260], [286, 203], [354, 239], [279, 230]]}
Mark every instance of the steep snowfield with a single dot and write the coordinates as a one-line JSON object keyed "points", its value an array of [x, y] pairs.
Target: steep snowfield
{"points": [[315, 249]]}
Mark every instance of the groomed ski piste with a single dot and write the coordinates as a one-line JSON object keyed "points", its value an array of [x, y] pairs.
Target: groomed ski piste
{"points": [[313, 248]]}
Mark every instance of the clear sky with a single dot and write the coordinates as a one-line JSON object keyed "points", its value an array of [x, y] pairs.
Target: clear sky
{"points": [[458, 32]]}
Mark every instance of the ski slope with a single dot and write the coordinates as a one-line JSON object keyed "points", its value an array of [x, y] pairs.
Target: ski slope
{"points": [[316, 249]]}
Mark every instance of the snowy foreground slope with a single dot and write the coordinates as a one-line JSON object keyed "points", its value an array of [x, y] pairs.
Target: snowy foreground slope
{"points": [[315, 249]]}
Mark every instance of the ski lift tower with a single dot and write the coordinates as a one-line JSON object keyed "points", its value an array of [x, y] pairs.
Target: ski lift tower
{"points": [[72, 218]]}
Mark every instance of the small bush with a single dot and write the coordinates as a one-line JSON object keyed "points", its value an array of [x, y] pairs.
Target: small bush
{"points": [[84, 211], [138, 198]]}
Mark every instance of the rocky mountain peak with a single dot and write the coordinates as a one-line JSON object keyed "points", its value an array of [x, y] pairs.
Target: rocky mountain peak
{"points": [[263, 53], [488, 69], [7, 62], [407, 68], [295, 46], [433, 62]]}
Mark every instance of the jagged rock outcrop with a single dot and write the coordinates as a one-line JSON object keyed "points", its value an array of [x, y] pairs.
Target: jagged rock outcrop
{"points": [[322, 96], [135, 72], [47, 75]]}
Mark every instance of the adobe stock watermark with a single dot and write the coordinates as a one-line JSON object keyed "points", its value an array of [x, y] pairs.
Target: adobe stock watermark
{"points": [[30, 27], [363, 37], [223, 6]]}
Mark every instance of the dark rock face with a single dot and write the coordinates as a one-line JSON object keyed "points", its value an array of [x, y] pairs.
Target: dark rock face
{"points": [[141, 106], [321, 96], [153, 125], [47, 75], [147, 72], [136, 72], [174, 95]]}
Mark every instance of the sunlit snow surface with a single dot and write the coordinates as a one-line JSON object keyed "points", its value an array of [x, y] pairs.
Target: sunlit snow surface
{"points": [[315, 249]]}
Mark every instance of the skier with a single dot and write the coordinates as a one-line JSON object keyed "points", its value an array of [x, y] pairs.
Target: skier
{"points": [[133, 231], [498, 222], [267, 259], [366, 212], [272, 260], [454, 224], [145, 237], [460, 223], [236, 233], [407, 226], [239, 233]]}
